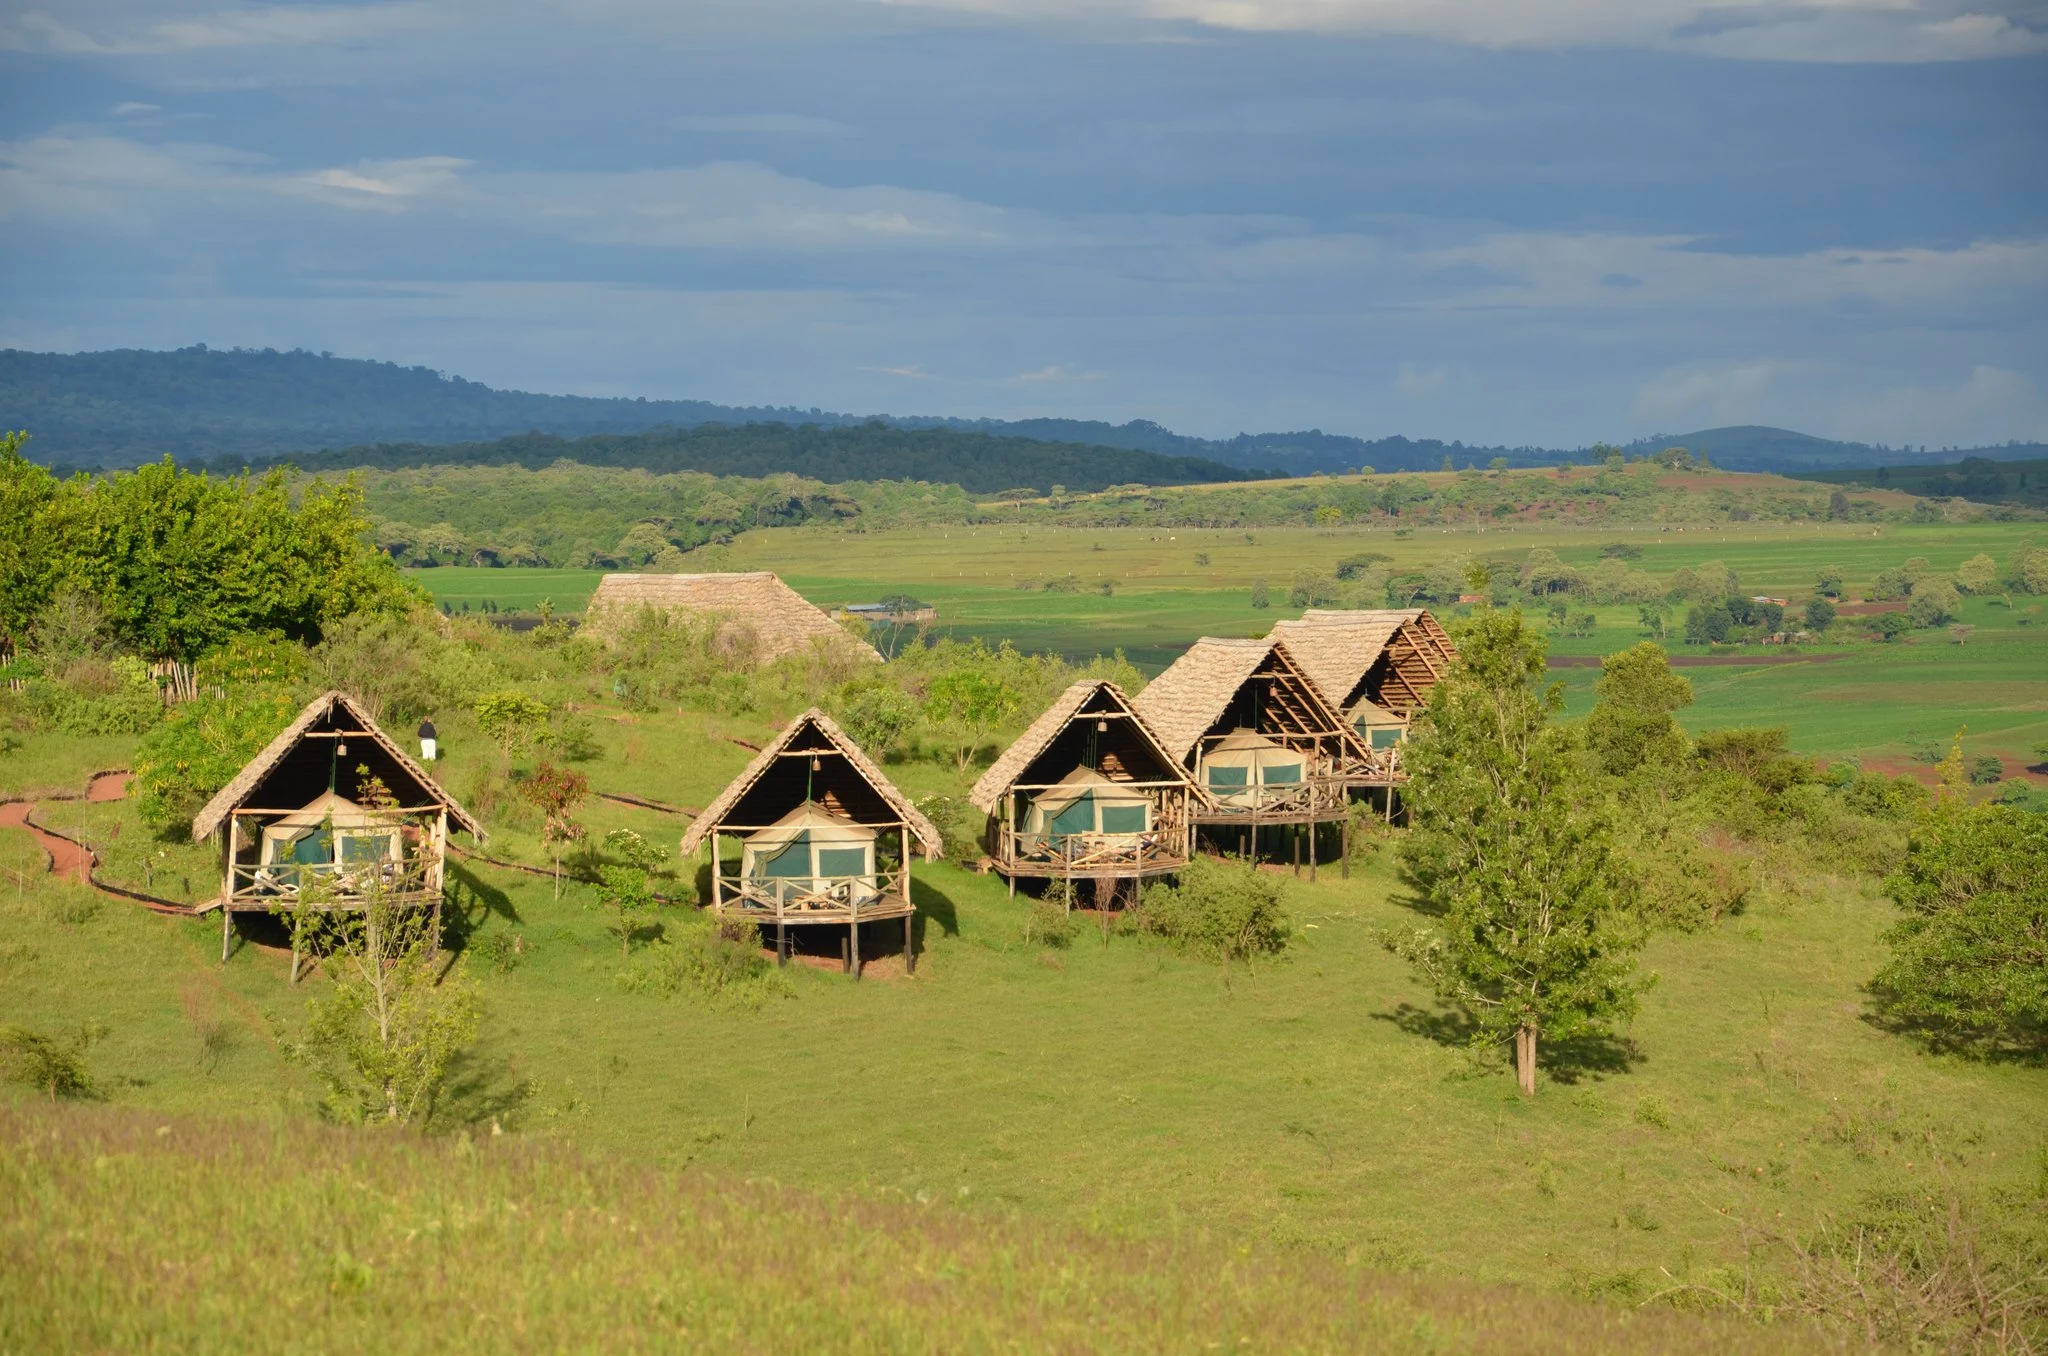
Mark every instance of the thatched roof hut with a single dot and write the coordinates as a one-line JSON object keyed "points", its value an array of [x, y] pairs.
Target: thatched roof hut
{"points": [[1386, 659], [334, 810], [824, 836], [758, 614], [1090, 789], [1258, 733]]}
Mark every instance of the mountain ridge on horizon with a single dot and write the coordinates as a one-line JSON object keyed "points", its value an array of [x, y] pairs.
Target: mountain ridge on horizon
{"points": [[120, 407]]}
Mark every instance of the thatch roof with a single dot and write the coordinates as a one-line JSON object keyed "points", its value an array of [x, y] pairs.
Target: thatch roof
{"points": [[1337, 649], [1187, 700], [771, 617], [1007, 770], [834, 740], [1418, 653], [335, 706]]}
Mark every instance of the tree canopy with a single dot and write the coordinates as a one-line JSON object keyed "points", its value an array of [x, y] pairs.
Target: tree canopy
{"points": [[181, 562]]}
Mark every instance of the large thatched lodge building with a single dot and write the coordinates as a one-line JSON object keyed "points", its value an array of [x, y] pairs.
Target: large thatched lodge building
{"points": [[758, 617]]}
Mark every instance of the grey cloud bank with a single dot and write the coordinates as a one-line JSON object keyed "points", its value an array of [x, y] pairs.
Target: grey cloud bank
{"points": [[1370, 217]]}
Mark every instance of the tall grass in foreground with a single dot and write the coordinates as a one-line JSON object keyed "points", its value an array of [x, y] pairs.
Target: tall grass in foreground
{"points": [[127, 1232]]}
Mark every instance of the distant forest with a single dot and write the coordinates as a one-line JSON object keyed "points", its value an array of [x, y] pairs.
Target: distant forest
{"points": [[977, 462], [1975, 478], [125, 407]]}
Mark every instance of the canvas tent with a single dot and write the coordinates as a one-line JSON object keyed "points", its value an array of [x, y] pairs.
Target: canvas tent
{"points": [[1088, 791], [811, 851], [822, 836], [758, 617], [300, 825], [1262, 741], [1242, 765]]}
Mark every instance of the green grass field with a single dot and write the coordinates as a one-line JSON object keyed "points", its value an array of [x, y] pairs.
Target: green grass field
{"points": [[1867, 701], [1317, 1114]]}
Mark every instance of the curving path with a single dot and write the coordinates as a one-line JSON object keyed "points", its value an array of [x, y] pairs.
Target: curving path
{"points": [[71, 858]]}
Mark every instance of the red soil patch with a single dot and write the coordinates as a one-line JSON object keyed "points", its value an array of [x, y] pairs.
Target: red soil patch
{"points": [[109, 786], [1869, 609], [66, 857]]}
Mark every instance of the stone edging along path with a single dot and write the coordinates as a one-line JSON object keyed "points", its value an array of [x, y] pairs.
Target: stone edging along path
{"points": [[69, 857]]}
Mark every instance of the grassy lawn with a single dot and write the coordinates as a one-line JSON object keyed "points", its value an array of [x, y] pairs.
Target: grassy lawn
{"points": [[1320, 1107]]}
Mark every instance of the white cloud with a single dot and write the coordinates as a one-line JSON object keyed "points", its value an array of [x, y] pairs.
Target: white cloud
{"points": [[131, 109], [1411, 380], [1708, 394], [1055, 372], [118, 34], [1791, 30], [382, 185]]}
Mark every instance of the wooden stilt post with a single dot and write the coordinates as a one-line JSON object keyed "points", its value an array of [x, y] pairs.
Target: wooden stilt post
{"points": [[295, 957], [853, 938], [1314, 834], [1344, 842], [1294, 834], [781, 936], [910, 942], [227, 924]]}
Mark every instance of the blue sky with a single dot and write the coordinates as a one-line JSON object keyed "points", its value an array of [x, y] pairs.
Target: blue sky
{"points": [[1496, 220]]}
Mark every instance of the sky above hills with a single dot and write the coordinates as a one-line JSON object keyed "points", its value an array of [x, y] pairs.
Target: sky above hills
{"points": [[1479, 219]]}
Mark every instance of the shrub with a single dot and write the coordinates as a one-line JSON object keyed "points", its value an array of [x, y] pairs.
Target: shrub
{"points": [[713, 957], [56, 1068], [1050, 923], [199, 748], [1220, 911], [1987, 770], [1934, 603]]}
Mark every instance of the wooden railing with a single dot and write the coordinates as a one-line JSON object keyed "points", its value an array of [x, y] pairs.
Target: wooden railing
{"points": [[1378, 765], [814, 899], [344, 883], [1316, 797], [1083, 854]]}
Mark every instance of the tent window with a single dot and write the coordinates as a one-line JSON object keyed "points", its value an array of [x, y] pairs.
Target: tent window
{"points": [[1227, 777], [315, 849], [1386, 736], [357, 848], [792, 863], [1123, 819], [842, 861], [1280, 774], [1078, 817]]}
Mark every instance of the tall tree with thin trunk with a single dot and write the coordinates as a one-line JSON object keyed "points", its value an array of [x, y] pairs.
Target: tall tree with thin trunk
{"points": [[1535, 939]]}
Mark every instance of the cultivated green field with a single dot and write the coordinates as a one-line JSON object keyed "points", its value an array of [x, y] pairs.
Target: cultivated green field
{"points": [[1862, 700]]}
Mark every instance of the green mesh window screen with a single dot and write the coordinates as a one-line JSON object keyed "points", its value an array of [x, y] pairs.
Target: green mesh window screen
{"points": [[1123, 819]]}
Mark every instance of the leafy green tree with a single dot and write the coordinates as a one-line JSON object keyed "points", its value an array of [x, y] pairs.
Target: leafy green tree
{"points": [[1820, 614], [556, 792], [1935, 601], [384, 1037], [1536, 940], [201, 745], [967, 706], [29, 567], [1632, 724], [1891, 625], [511, 720], [626, 890], [1262, 595], [1828, 581], [1969, 963], [1978, 574], [878, 716]]}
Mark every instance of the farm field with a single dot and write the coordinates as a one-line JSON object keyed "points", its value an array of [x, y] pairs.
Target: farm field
{"points": [[1861, 700]]}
